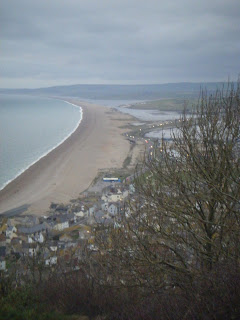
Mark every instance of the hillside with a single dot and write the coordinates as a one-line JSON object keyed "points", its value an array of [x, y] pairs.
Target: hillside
{"points": [[140, 92]]}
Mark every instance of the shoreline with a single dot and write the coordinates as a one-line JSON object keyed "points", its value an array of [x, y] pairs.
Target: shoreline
{"points": [[50, 150], [69, 168]]}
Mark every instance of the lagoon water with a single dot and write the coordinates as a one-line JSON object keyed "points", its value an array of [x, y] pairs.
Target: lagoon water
{"points": [[30, 127], [150, 115], [167, 134]]}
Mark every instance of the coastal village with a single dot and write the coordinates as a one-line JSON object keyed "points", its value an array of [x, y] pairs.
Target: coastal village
{"points": [[62, 240], [120, 160], [61, 235], [65, 230]]}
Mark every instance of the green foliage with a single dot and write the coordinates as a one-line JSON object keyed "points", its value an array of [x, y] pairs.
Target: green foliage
{"points": [[11, 312], [164, 104], [25, 304]]}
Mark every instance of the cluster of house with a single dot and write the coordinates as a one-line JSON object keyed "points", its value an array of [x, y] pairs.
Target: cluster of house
{"points": [[64, 228]]}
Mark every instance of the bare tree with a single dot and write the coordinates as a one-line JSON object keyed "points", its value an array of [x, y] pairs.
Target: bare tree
{"points": [[184, 219]]}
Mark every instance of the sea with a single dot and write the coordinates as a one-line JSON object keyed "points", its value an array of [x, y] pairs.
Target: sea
{"points": [[31, 127]]}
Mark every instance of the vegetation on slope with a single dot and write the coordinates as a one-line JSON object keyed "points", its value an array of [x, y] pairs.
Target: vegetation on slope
{"points": [[175, 253]]}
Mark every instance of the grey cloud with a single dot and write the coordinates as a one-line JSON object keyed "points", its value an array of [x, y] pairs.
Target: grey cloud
{"points": [[124, 41]]}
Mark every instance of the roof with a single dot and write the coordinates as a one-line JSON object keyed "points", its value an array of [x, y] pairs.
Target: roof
{"points": [[29, 245], [101, 218], [30, 220], [10, 228], [112, 204], [37, 228], [62, 219], [3, 251]]}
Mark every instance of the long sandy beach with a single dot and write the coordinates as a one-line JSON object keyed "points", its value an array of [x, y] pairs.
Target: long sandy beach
{"points": [[70, 168]]}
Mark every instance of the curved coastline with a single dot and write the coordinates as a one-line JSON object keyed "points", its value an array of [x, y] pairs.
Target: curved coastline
{"points": [[69, 169], [50, 150]]}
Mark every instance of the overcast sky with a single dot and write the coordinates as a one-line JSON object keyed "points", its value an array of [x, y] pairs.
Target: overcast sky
{"points": [[57, 42]]}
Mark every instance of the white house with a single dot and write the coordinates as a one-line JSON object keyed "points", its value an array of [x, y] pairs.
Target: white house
{"points": [[112, 209], [104, 198], [37, 237], [53, 246], [30, 249], [30, 239], [62, 224], [104, 206], [114, 197], [51, 261], [79, 214], [92, 210], [2, 264], [11, 232]]}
